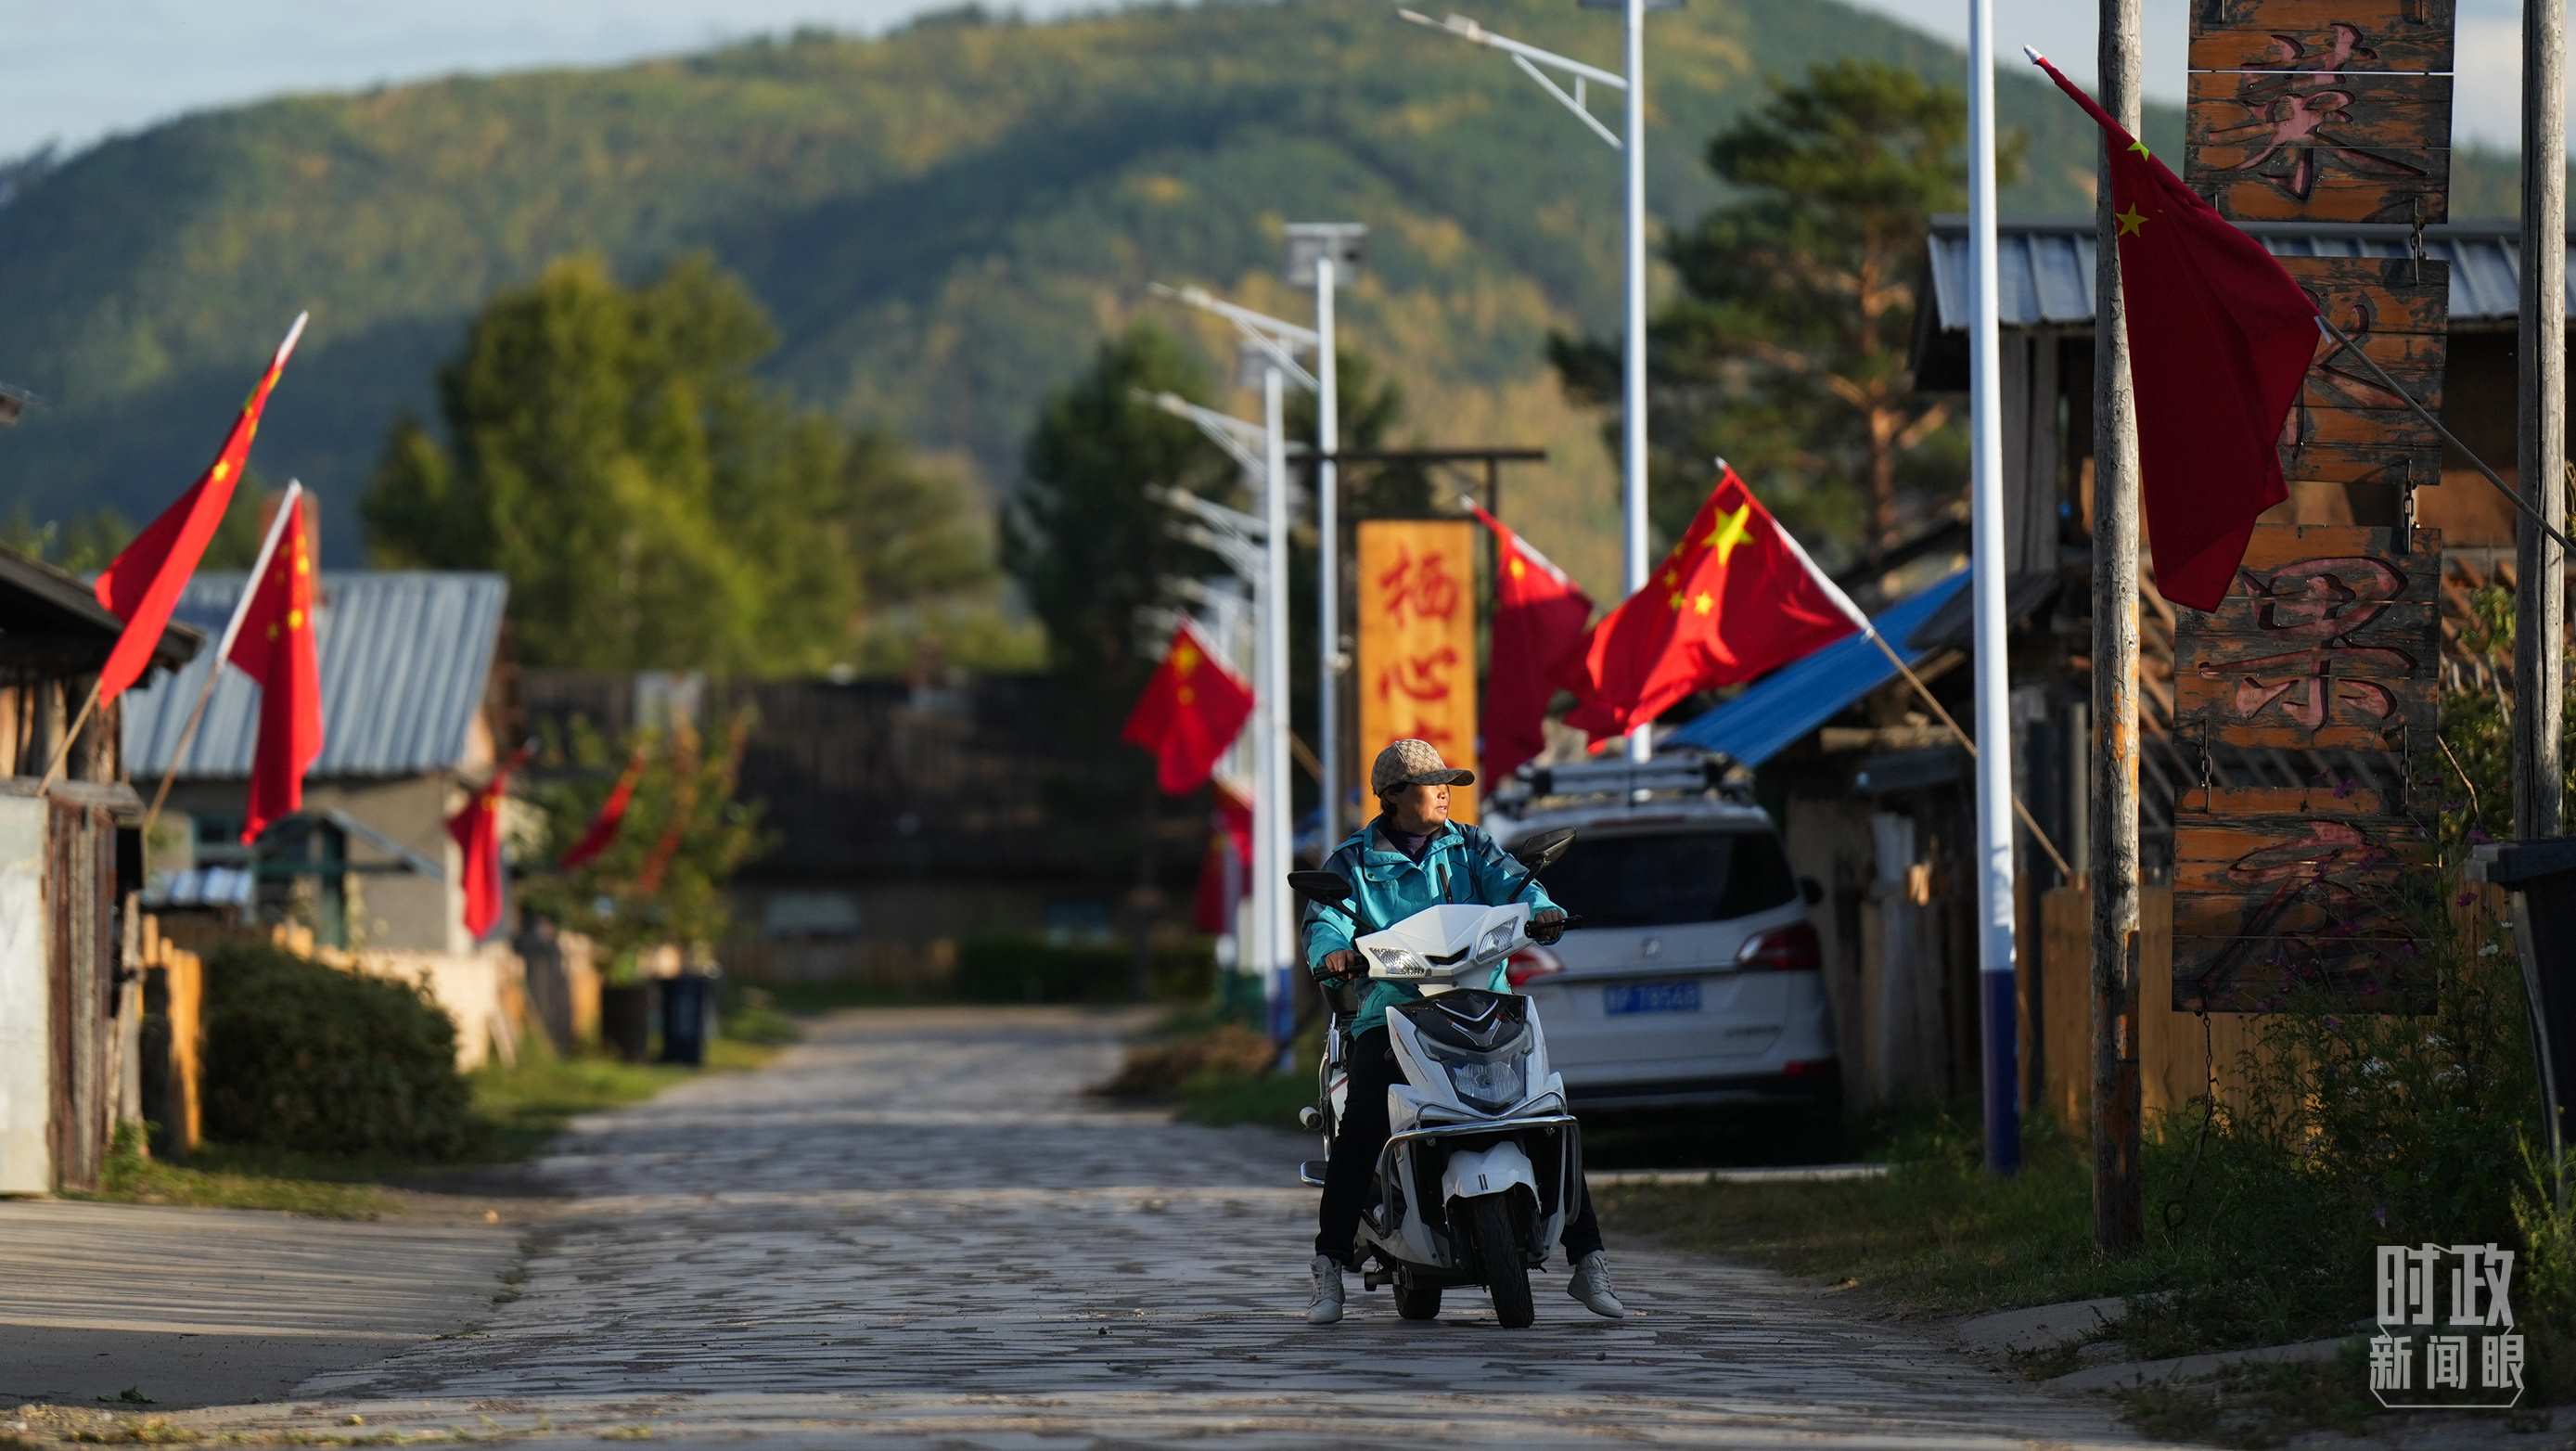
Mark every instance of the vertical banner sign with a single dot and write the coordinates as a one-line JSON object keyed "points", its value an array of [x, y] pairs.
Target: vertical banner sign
{"points": [[1417, 642], [2323, 659]]}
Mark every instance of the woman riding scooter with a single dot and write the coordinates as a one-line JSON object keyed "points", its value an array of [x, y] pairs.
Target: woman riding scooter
{"points": [[1411, 857]]}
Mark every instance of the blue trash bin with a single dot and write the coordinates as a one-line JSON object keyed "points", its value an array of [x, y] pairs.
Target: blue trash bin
{"points": [[687, 1018]]}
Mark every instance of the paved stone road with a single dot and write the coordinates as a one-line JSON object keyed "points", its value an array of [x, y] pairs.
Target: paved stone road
{"points": [[911, 1230]]}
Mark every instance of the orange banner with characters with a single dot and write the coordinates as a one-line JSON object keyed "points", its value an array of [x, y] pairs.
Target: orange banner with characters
{"points": [[1416, 672]]}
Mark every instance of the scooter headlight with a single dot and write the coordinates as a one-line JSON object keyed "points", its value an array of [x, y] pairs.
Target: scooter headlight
{"points": [[1397, 962], [1492, 1079], [1494, 1083], [1497, 943]]}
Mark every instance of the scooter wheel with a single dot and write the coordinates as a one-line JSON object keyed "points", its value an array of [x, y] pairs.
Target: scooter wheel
{"points": [[1415, 1300], [1498, 1260]]}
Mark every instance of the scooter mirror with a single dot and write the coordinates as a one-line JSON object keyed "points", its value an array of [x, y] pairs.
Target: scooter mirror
{"points": [[1540, 852], [1329, 888]]}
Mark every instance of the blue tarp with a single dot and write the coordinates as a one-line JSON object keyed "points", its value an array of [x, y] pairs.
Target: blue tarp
{"points": [[1781, 708]]}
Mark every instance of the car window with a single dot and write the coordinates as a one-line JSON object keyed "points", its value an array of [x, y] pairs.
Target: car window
{"points": [[1654, 879]]}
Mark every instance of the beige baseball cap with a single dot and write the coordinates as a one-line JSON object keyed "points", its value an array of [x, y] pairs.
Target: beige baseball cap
{"points": [[1414, 763]]}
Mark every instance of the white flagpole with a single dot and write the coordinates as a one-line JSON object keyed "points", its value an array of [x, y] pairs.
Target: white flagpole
{"points": [[1280, 831], [1994, 756], [232, 630]]}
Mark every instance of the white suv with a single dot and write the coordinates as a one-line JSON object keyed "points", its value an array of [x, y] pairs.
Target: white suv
{"points": [[1691, 976]]}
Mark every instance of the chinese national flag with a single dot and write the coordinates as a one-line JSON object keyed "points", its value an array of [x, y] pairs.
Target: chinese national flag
{"points": [[1230, 839], [141, 585], [1190, 712], [611, 815], [477, 830], [1539, 616], [2219, 339], [275, 648], [1735, 599]]}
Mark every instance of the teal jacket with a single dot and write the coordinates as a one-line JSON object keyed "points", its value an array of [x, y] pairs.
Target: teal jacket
{"points": [[1462, 865]]}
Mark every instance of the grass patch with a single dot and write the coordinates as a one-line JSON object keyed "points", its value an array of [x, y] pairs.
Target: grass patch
{"points": [[1937, 1233], [216, 1178], [1212, 1067], [1222, 1100], [520, 1107], [2257, 1406]]}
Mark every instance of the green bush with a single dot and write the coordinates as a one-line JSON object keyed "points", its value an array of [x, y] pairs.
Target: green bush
{"points": [[1034, 970], [304, 1057], [2360, 1128]]}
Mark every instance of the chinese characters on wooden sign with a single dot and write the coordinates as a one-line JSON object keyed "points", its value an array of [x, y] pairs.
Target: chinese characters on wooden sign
{"points": [[2324, 655], [2326, 649], [1416, 672], [2322, 110]]}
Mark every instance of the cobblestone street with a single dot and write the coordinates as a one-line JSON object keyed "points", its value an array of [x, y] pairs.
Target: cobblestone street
{"points": [[913, 1229]]}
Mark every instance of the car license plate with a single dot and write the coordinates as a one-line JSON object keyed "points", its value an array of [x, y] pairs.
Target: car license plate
{"points": [[1650, 997]]}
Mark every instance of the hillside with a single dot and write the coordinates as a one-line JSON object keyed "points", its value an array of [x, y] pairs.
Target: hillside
{"points": [[945, 221]]}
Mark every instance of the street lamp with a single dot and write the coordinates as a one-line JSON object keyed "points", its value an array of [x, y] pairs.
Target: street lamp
{"points": [[1319, 253], [1631, 141]]}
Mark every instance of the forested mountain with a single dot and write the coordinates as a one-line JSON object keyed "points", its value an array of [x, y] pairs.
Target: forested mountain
{"points": [[944, 222]]}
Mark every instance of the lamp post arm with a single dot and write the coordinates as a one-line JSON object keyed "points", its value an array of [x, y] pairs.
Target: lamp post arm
{"points": [[1276, 339], [1232, 521], [1474, 34], [1572, 103], [1242, 441]]}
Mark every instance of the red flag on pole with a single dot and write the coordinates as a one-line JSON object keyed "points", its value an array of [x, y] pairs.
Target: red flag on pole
{"points": [[1539, 618], [604, 823], [274, 646], [1192, 709], [477, 831], [2219, 339], [141, 585], [1229, 845], [1735, 599]]}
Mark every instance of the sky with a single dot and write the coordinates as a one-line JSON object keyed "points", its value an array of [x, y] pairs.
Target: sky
{"points": [[78, 72]]}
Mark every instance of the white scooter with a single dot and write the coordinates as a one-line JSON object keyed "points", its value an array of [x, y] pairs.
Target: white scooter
{"points": [[1482, 1162]]}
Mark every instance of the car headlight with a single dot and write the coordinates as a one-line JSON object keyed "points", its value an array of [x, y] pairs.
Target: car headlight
{"points": [[1497, 943], [1397, 962]]}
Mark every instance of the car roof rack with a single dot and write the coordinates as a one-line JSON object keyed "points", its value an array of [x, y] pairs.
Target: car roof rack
{"points": [[1635, 783]]}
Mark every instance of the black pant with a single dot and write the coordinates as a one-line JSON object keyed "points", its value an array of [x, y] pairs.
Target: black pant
{"points": [[1363, 1132]]}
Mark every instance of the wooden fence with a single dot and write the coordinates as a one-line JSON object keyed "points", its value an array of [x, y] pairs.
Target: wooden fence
{"points": [[173, 1040], [2176, 1062], [2180, 1055]]}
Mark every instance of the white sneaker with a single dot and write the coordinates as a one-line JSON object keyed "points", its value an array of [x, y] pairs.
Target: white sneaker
{"points": [[1326, 1306], [1591, 1286]]}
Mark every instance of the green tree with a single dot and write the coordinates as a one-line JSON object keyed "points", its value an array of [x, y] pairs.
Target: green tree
{"points": [[1371, 411], [653, 503], [1786, 353], [1092, 553], [662, 878]]}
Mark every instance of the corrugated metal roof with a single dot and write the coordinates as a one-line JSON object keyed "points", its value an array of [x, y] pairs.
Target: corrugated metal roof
{"points": [[2044, 269], [1781, 708], [404, 657], [200, 887]]}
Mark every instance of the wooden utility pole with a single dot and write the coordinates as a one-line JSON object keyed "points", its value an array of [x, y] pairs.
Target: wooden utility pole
{"points": [[2119, 1191], [2540, 601]]}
